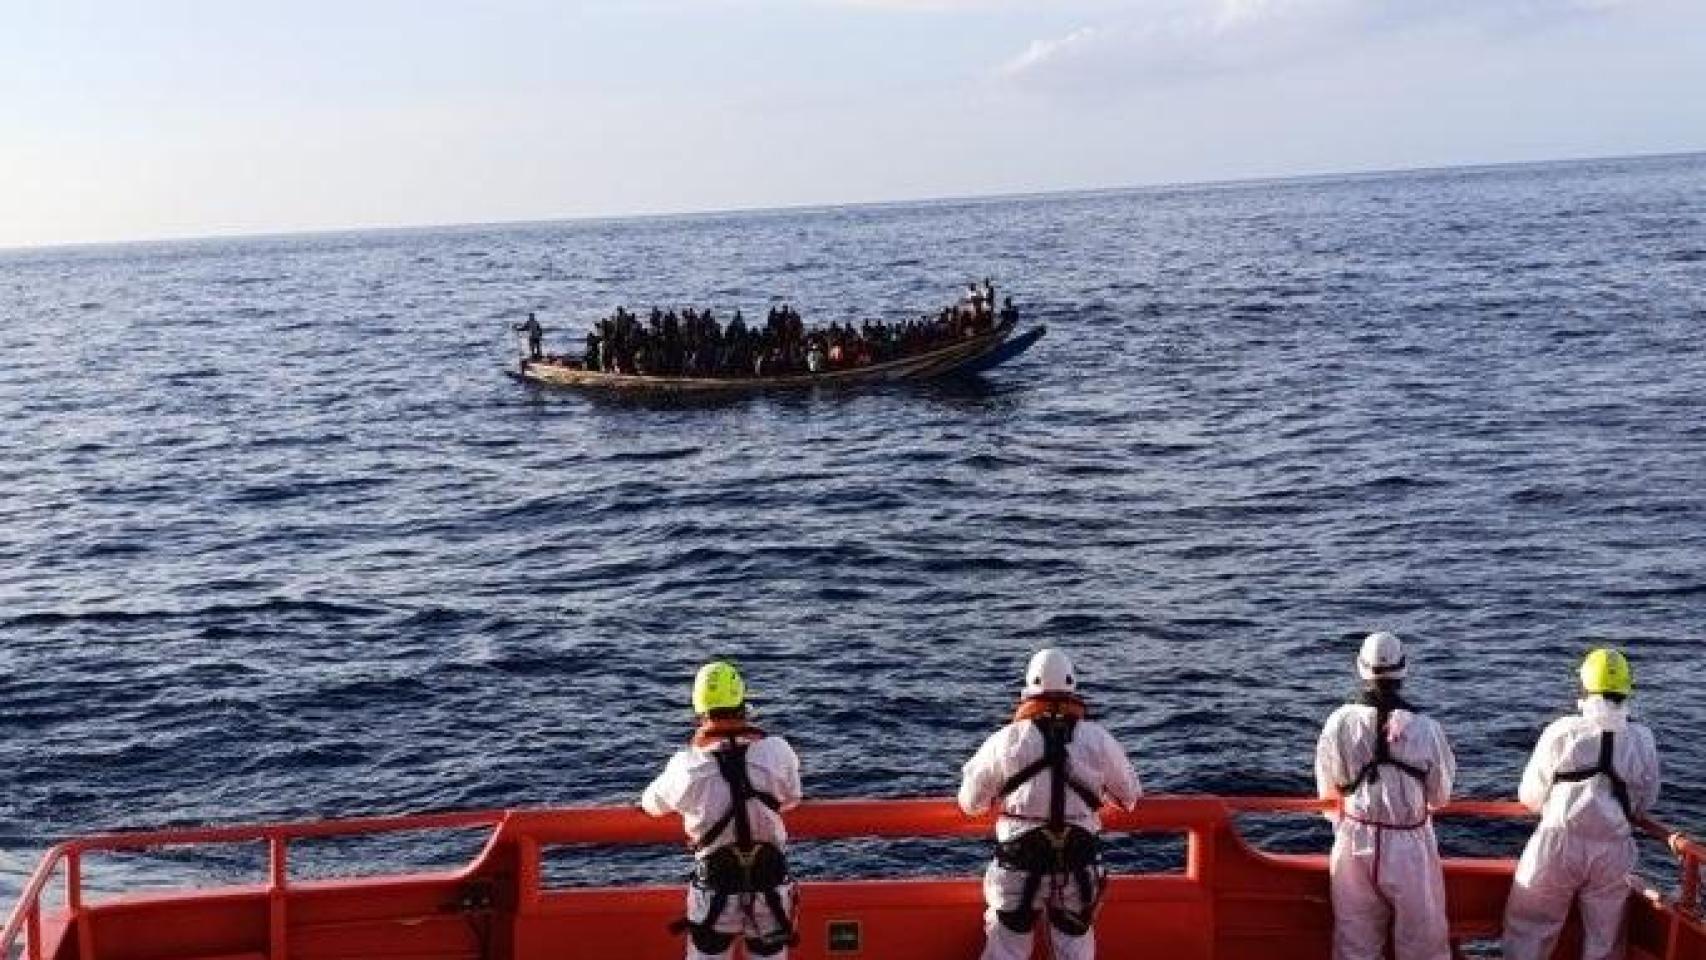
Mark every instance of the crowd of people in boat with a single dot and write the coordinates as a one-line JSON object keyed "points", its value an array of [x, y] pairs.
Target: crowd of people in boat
{"points": [[1381, 764], [697, 343]]}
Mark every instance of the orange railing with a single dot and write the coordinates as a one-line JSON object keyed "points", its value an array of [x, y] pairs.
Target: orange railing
{"points": [[527, 831], [25, 919]]}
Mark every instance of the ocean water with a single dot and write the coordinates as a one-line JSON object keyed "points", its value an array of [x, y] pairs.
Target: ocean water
{"points": [[279, 538]]}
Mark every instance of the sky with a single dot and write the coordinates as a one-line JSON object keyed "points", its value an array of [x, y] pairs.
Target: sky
{"points": [[146, 119]]}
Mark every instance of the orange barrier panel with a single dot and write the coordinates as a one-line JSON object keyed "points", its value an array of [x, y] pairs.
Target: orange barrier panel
{"points": [[1231, 903]]}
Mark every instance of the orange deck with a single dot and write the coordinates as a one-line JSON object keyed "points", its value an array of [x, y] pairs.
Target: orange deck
{"points": [[1231, 902]]}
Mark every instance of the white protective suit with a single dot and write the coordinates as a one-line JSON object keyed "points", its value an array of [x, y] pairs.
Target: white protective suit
{"points": [[1583, 847], [1096, 760], [692, 786], [1385, 865]]}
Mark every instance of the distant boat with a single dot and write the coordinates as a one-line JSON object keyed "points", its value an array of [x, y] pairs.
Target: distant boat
{"points": [[974, 354]]}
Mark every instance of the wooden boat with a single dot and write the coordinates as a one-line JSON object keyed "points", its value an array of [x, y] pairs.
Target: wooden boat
{"points": [[1226, 901], [971, 355]]}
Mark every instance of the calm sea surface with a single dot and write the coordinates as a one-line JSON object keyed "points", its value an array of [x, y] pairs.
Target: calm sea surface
{"points": [[278, 537]]}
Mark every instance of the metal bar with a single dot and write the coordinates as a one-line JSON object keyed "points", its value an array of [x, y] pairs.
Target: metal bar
{"points": [[1688, 897], [1690, 853], [826, 818], [294, 831], [32, 927], [74, 880], [278, 870], [527, 851], [74, 903], [29, 898], [1491, 809], [1199, 856], [1201, 853], [1684, 910]]}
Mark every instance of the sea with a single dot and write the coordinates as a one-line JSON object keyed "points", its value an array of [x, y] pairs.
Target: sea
{"points": [[281, 538]]}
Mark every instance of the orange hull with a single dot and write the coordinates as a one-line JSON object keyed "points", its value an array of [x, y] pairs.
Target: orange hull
{"points": [[1231, 902]]}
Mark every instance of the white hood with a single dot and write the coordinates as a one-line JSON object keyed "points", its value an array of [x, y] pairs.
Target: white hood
{"points": [[1605, 714]]}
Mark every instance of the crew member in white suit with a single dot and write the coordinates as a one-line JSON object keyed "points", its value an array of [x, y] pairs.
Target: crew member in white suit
{"points": [[1591, 775], [1048, 771], [730, 785], [1389, 766]]}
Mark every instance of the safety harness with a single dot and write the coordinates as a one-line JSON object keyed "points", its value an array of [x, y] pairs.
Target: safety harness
{"points": [[1384, 704], [745, 868], [1603, 768], [1054, 848], [1370, 772]]}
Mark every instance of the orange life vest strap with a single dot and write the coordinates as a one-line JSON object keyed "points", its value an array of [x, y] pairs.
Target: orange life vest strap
{"points": [[713, 732], [1051, 704]]}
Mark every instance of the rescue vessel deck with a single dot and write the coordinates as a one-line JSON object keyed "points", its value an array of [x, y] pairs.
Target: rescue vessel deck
{"points": [[1230, 902]]}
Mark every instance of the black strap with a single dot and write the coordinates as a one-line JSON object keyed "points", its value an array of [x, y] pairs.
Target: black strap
{"points": [[1028, 893], [1057, 733], [1604, 767], [1077, 923], [731, 763], [784, 922], [708, 923], [1055, 738], [1389, 669], [1370, 772], [714, 911], [1085, 877]]}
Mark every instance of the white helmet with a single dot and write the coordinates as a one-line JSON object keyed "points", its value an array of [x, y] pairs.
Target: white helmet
{"points": [[1050, 671], [1382, 657]]}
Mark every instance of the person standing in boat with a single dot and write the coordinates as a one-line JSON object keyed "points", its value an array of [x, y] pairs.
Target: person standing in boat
{"points": [[1048, 771], [1389, 767], [590, 360], [1591, 776], [730, 785], [972, 303], [535, 337]]}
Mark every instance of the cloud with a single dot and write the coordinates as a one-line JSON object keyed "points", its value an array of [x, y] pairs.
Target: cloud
{"points": [[1041, 52], [939, 5], [1186, 38], [1022, 7], [1172, 39]]}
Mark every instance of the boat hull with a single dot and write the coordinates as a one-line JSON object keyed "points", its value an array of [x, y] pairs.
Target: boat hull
{"points": [[974, 354]]}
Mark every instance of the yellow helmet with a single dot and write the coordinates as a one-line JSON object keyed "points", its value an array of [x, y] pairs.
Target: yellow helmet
{"points": [[718, 686], [1607, 671]]}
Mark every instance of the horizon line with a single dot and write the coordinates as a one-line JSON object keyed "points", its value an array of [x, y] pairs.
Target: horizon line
{"points": [[1269, 179]]}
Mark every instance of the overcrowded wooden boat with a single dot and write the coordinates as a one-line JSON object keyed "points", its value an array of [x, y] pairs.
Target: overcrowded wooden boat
{"points": [[1227, 900], [972, 354]]}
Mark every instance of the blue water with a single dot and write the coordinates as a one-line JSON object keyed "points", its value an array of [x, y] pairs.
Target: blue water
{"points": [[278, 538]]}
